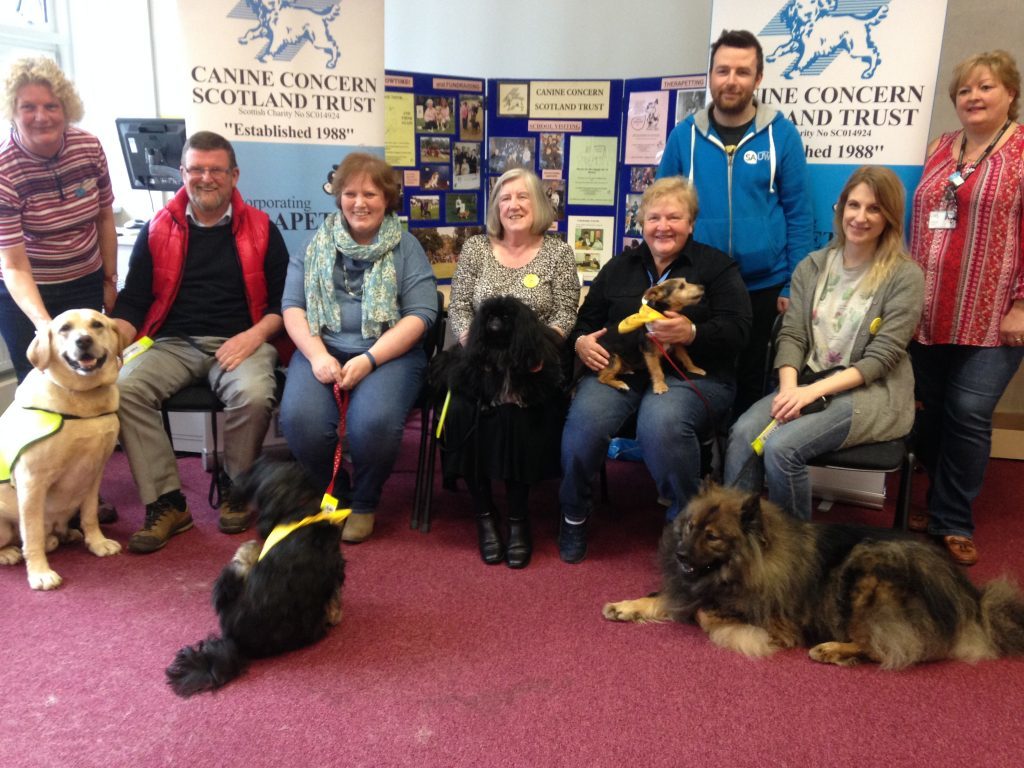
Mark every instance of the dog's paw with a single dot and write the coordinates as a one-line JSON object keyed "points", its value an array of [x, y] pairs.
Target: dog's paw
{"points": [[104, 547], [69, 536], [660, 388], [697, 371], [10, 555], [842, 654], [642, 609], [48, 579]]}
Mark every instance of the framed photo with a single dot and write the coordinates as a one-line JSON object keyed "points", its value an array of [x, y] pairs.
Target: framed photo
{"points": [[513, 99]]}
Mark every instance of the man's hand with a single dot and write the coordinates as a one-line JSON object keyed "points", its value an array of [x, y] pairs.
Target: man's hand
{"points": [[236, 350]]}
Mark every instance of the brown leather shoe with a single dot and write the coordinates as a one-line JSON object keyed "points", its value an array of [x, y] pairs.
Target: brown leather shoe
{"points": [[917, 521], [961, 549]]}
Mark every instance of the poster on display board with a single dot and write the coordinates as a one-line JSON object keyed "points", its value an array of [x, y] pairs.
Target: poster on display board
{"points": [[434, 131], [655, 105], [856, 78], [292, 105], [567, 132]]}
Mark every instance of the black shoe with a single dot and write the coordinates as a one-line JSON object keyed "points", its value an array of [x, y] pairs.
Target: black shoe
{"points": [[491, 549], [572, 542], [107, 512], [520, 547]]}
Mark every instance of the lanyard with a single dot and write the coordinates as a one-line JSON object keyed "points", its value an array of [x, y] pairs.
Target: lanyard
{"points": [[988, 150]]}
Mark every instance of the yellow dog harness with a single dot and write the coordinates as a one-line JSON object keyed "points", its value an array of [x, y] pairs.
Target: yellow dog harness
{"points": [[336, 516], [639, 319]]}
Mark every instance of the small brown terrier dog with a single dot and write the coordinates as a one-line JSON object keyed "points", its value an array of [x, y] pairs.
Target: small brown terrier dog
{"points": [[627, 349]]}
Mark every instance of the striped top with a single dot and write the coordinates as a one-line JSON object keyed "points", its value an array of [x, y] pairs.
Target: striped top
{"points": [[50, 205], [976, 270]]}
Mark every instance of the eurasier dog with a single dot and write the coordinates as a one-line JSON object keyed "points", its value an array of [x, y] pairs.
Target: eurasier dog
{"points": [[757, 580], [510, 356], [627, 350], [56, 439], [275, 603]]}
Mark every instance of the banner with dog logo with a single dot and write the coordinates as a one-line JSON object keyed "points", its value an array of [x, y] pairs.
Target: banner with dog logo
{"points": [[856, 77], [295, 86]]}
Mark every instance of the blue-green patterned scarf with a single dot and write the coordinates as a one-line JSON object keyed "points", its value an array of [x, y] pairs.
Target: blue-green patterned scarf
{"points": [[380, 282]]}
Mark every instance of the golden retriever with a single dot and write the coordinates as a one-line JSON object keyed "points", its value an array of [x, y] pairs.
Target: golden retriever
{"points": [[53, 477]]}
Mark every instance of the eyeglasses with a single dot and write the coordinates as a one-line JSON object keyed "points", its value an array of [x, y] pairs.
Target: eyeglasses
{"points": [[214, 173]]}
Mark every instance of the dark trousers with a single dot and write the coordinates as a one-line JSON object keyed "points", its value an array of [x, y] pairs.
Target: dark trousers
{"points": [[18, 331], [751, 364]]}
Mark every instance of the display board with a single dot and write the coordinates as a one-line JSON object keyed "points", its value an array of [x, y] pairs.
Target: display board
{"points": [[434, 137], [653, 107]]}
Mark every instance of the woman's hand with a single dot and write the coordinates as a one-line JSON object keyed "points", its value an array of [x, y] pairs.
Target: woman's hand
{"points": [[674, 329], [354, 371], [326, 368], [1011, 329], [109, 296], [592, 354], [788, 403]]}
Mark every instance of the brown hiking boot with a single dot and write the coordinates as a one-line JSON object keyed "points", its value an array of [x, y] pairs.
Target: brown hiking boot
{"points": [[163, 520], [235, 516]]}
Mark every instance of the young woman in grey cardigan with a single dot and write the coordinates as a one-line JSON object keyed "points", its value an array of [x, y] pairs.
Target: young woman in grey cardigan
{"points": [[844, 375]]}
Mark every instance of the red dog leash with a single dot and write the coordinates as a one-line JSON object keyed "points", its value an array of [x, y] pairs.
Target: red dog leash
{"points": [[330, 503], [665, 354]]}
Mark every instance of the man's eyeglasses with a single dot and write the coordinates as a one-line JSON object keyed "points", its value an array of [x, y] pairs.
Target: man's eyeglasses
{"points": [[213, 173]]}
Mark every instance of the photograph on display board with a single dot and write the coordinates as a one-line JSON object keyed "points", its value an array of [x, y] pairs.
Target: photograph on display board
{"points": [[466, 155], [689, 103], [434, 114], [552, 151], [647, 127], [460, 209], [629, 243], [641, 177], [632, 225], [555, 190], [435, 149], [435, 177], [590, 238], [508, 153], [443, 245], [425, 207], [471, 118]]}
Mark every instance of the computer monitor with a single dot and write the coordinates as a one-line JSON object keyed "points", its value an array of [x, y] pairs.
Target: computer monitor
{"points": [[152, 152]]}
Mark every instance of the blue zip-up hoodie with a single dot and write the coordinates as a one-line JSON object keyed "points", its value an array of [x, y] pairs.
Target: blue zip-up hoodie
{"points": [[754, 205]]}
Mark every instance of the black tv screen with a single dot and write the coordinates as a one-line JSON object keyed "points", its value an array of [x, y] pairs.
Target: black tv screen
{"points": [[152, 152]]}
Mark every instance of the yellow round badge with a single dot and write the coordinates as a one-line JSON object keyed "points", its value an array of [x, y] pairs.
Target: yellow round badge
{"points": [[875, 325], [531, 280]]}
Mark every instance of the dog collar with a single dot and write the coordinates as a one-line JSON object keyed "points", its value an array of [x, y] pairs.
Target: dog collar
{"points": [[280, 531]]}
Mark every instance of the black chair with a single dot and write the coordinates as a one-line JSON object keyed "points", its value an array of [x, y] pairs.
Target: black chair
{"points": [[886, 457], [429, 415], [199, 398]]}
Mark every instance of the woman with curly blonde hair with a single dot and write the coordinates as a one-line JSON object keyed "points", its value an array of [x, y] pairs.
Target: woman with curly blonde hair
{"points": [[58, 247]]}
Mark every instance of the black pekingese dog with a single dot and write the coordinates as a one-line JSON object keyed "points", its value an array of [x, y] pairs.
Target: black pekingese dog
{"points": [[510, 356], [285, 601]]}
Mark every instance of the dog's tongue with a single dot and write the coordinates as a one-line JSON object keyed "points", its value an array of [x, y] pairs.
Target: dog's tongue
{"points": [[88, 362]]}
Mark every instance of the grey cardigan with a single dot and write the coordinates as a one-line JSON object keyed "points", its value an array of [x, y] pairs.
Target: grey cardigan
{"points": [[883, 407]]}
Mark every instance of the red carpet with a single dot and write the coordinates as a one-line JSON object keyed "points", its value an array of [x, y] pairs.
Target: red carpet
{"points": [[443, 661]]}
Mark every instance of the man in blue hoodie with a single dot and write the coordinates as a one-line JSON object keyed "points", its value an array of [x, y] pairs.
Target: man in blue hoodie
{"points": [[747, 163]]}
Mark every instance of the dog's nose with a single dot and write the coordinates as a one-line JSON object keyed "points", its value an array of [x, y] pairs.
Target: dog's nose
{"points": [[84, 341]]}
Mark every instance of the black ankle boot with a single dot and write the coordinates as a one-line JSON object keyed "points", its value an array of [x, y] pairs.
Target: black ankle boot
{"points": [[491, 550], [520, 547]]}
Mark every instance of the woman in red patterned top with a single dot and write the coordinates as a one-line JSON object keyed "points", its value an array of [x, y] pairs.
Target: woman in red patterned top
{"points": [[967, 233], [58, 247]]}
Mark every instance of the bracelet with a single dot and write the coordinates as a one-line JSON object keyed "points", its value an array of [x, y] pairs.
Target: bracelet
{"points": [[110, 278], [576, 344], [693, 331], [373, 360]]}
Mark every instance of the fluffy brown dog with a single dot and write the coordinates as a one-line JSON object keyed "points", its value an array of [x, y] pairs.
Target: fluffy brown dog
{"points": [[57, 472], [757, 580], [627, 350]]}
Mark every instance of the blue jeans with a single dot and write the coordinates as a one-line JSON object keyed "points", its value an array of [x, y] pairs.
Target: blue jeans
{"points": [[18, 331], [668, 429], [959, 387], [786, 452], [377, 412]]}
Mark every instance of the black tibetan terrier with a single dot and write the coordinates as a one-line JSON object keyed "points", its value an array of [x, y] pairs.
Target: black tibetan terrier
{"points": [[276, 603]]}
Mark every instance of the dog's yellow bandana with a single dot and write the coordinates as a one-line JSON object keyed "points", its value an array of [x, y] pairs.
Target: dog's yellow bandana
{"points": [[336, 516], [20, 428], [639, 319]]}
